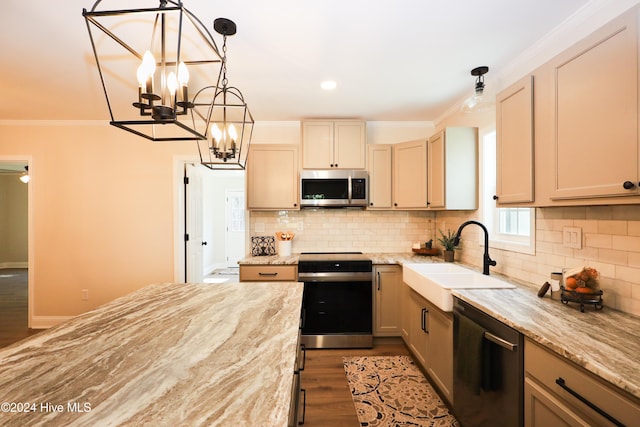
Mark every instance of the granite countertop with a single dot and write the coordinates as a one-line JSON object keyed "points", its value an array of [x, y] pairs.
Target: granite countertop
{"points": [[166, 355], [376, 258], [605, 342]]}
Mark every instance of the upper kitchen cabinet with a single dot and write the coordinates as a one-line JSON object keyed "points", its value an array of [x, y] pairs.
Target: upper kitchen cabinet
{"points": [[452, 169], [333, 144], [380, 176], [596, 114], [410, 175], [272, 177], [514, 143]]}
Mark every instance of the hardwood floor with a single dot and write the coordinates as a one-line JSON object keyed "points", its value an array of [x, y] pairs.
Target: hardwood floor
{"points": [[329, 402], [13, 306]]}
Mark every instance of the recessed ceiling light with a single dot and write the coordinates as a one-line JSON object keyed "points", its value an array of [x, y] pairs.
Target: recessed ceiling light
{"points": [[328, 85]]}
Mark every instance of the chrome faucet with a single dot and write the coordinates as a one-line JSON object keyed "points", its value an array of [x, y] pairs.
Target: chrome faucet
{"points": [[486, 261]]}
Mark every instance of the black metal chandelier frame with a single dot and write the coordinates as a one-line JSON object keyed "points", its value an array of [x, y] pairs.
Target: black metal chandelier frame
{"points": [[156, 113]]}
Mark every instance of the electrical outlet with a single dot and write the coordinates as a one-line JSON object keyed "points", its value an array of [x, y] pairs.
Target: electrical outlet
{"points": [[85, 295], [572, 237]]}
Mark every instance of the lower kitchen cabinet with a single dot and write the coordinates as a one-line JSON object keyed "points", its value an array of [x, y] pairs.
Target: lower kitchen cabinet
{"points": [[387, 300], [268, 273], [428, 332], [558, 392]]}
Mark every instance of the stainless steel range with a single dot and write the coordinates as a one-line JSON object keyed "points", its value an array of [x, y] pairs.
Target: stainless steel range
{"points": [[338, 300]]}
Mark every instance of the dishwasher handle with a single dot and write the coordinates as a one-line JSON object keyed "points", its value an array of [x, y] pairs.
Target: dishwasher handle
{"points": [[501, 342]]}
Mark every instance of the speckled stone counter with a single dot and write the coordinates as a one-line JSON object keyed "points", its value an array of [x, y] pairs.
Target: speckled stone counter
{"points": [[376, 258], [166, 355], [604, 342], [270, 259]]}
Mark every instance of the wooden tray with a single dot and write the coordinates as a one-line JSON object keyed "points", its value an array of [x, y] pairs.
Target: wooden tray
{"points": [[426, 252]]}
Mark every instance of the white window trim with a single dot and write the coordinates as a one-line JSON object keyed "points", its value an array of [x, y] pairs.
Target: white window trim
{"points": [[507, 242]]}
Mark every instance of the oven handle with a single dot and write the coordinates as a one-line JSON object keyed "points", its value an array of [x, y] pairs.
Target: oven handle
{"points": [[501, 342], [336, 277]]}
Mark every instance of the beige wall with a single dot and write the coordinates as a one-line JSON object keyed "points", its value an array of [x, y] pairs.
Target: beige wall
{"points": [[13, 221], [102, 212]]}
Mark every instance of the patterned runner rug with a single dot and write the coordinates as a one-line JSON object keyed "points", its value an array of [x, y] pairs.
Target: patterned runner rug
{"points": [[390, 391]]}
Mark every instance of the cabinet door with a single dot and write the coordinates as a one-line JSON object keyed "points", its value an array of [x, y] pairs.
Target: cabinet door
{"points": [[405, 317], [543, 409], [380, 176], [440, 367], [418, 328], [317, 145], [388, 281], [410, 175], [597, 114], [514, 143], [349, 147], [436, 171], [272, 177]]}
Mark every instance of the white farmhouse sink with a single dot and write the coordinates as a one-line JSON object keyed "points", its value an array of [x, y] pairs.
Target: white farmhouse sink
{"points": [[435, 281]]}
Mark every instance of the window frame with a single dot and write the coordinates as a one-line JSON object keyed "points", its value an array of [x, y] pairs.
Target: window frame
{"points": [[491, 212]]}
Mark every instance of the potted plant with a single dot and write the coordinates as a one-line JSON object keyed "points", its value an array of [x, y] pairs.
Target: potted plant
{"points": [[447, 242]]}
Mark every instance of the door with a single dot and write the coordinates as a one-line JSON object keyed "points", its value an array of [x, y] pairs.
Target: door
{"points": [[193, 223], [235, 220]]}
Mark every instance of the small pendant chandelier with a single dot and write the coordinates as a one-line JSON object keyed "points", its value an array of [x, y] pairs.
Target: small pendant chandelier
{"points": [[477, 102], [230, 125], [149, 60]]}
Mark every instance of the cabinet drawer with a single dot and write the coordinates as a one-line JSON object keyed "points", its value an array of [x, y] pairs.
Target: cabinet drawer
{"points": [[268, 273], [546, 368]]}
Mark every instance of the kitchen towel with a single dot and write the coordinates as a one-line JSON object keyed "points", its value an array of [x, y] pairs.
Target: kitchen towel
{"points": [[469, 360]]}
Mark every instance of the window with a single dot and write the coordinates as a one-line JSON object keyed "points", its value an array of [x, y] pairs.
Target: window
{"points": [[511, 229]]}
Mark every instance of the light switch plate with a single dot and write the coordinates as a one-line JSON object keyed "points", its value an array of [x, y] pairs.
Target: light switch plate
{"points": [[572, 237]]}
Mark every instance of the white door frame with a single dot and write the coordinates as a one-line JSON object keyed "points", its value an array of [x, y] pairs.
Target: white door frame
{"points": [[179, 162], [28, 159]]}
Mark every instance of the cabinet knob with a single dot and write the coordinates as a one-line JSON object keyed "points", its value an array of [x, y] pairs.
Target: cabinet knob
{"points": [[628, 185], [395, 204], [295, 205], [495, 197], [371, 204]]}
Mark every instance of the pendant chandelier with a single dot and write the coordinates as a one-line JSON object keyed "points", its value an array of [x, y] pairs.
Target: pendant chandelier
{"points": [[152, 62], [230, 126], [477, 102]]}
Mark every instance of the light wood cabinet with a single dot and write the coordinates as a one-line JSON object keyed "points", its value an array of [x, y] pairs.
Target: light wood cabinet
{"points": [[410, 175], [387, 300], [440, 359], [272, 177], [514, 143], [268, 273], [552, 384], [452, 169], [333, 144], [418, 333], [380, 176], [596, 114], [428, 332]]}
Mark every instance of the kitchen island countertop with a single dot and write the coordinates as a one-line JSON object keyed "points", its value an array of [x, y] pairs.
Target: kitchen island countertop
{"points": [[165, 355]]}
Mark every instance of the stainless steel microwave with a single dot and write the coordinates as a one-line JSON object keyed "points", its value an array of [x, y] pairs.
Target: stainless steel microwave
{"points": [[334, 188]]}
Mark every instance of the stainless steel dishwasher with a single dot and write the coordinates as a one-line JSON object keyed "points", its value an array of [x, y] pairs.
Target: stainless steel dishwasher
{"points": [[488, 385]]}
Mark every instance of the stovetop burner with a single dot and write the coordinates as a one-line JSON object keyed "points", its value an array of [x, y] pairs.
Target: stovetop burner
{"points": [[332, 256], [316, 262]]}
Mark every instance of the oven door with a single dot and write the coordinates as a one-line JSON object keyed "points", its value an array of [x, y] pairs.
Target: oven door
{"points": [[338, 314]]}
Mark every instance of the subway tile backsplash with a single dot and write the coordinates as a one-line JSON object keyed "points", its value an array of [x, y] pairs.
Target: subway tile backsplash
{"points": [[610, 241], [346, 229]]}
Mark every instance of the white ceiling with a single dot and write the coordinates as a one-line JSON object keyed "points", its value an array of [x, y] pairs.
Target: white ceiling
{"points": [[393, 60]]}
